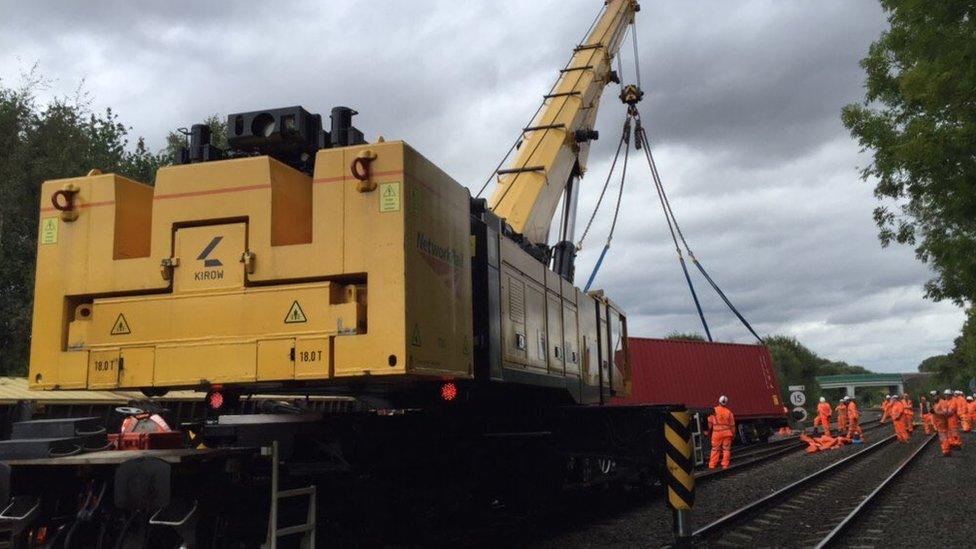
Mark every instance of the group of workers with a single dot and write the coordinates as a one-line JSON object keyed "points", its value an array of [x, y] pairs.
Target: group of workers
{"points": [[950, 411], [848, 426], [945, 414], [848, 417]]}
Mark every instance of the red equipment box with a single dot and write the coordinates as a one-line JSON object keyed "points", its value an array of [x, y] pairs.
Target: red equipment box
{"points": [[163, 440]]}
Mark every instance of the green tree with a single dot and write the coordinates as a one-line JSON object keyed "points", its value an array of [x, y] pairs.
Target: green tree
{"points": [[955, 369], [918, 120], [795, 364], [692, 336], [62, 139]]}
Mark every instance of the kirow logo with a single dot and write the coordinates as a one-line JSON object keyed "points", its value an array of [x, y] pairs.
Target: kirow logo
{"points": [[207, 251]]}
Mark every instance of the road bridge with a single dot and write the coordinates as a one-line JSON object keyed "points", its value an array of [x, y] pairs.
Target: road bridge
{"points": [[894, 383]]}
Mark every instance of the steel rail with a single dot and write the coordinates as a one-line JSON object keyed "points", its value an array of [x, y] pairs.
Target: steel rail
{"points": [[838, 530], [750, 460], [766, 453], [748, 509]]}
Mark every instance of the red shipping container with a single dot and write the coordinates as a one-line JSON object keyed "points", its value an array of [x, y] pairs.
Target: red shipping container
{"points": [[696, 373]]}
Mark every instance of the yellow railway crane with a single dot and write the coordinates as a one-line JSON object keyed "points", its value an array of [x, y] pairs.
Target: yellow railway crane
{"points": [[305, 260], [313, 259]]}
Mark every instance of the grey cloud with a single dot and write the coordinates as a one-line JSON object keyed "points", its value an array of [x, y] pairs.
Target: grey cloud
{"points": [[742, 104]]}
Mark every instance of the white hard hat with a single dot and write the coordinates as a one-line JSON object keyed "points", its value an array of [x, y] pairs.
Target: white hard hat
{"points": [[958, 392], [822, 399], [933, 392], [947, 392], [723, 399], [887, 396], [893, 397], [969, 397]]}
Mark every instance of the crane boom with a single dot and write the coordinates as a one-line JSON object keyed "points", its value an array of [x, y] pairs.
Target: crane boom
{"points": [[556, 143]]}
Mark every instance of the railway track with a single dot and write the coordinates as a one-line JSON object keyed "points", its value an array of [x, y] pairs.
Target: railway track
{"points": [[747, 458], [818, 509]]}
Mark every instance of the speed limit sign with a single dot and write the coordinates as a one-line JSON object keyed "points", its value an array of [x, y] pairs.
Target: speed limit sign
{"points": [[798, 398]]}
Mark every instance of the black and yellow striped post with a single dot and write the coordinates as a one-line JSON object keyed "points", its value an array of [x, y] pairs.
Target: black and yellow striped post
{"points": [[679, 476]]}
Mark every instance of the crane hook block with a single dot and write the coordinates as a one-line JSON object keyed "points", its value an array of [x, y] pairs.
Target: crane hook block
{"points": [[360, 170], [631, 94]]}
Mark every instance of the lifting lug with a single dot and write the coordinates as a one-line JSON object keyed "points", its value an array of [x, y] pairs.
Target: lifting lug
{"points": [[166, 267], [247, 258], [63, 201], [360, 170]]}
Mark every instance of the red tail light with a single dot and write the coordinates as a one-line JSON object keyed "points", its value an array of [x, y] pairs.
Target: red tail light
{"points": [[449, 391], [215, 400]]}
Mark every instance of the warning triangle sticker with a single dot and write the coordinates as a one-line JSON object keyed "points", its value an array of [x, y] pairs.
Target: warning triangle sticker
{"points": [[121, 326], [295, 314], [415, 341]]}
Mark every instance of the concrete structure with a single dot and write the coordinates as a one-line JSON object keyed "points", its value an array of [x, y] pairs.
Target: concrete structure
{"points": [[895, 383]]}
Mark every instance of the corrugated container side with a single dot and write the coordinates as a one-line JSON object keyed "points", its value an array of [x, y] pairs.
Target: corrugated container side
{"points": [[696, 373]]}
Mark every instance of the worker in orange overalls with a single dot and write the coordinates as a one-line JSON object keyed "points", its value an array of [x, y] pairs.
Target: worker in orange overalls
{"points": [[722, 426], [953, 406], [909, 413], [853, 420], [885, 409], [823, 416], [957, 411], [971, 406], [926, 408], [896, 409], [941, 414], [967, 416], [841, 411]]}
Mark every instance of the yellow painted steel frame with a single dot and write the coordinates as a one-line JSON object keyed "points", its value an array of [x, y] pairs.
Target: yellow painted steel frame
{"points": [[527, 198], [246, 270]]}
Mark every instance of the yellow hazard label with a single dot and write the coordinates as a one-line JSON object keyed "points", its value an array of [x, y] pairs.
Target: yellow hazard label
{"points": [[390, 197], [295, 314], [49, 230], [121, 326]]}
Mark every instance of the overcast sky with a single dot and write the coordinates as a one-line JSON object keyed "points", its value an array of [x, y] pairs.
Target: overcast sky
{"points": [[743, 102]]}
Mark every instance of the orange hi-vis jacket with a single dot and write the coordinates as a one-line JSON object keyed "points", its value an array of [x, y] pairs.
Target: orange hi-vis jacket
{"points": [[722, 420], [852, 413], [953, 405], [941, 412], [841, 410], [971, 407], [962, 407], [823, 409], [896, 409]]}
